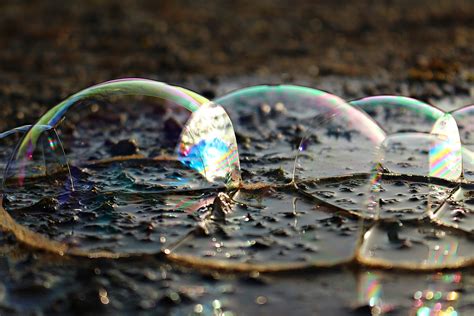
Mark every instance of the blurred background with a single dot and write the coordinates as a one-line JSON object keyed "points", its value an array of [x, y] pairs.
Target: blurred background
{"points": [[50, 49]]}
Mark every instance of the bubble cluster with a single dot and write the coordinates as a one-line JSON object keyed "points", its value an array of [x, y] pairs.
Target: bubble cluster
{"points": [[136, 166]]}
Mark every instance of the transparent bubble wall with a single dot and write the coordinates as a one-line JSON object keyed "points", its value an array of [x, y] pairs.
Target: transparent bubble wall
{"points": [[278, 125], [417, 168]]}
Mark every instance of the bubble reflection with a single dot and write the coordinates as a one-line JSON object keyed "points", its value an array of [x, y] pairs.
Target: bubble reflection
{"points": [[441, 297]]}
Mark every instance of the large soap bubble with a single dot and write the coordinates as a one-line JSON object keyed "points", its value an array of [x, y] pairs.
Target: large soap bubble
{"points": [[287, 133], [402, 198], [277, 125], [93, 178], [409, 119]]}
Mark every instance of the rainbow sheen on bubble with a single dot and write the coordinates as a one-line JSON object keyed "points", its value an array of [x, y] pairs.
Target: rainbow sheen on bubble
{"points": [[407, 188], [208, 145], [445, 154], [123, 87], [77, 113], [398, 114]]}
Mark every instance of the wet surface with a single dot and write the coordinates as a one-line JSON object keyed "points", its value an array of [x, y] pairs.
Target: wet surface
{"points": [[50, 51], [153, 208]]}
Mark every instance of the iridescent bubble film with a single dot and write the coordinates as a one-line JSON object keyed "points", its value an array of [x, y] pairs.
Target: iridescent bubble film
{"points": [[339, 141], [446, 152], [403, 198], [208, 145], [43, 169]]}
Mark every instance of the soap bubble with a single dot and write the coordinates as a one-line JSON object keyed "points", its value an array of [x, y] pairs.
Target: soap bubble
{"points": [[398, 114], [455, 212], [275, 124], [420, 129], [414, 175], [108, 154]]}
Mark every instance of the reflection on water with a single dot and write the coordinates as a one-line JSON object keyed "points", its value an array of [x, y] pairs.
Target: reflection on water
{"points": [[382, 293], [370, 292], [440, 298]]}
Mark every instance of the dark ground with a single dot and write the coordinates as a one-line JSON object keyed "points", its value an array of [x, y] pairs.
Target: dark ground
{"points": [[50, 50]]}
